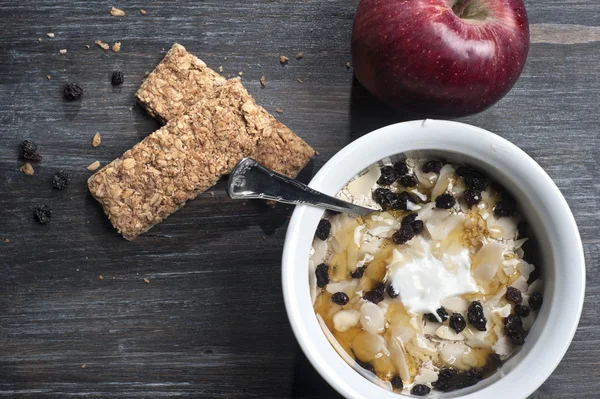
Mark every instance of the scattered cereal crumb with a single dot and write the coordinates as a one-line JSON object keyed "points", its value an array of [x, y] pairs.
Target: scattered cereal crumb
{"points": [[96, 140], [27, 169], [48, 77], [146, 281], [130, 109], [63, 51], [100, 277], [115, 12], [143, 12], [146, 73], [249, 66], [39, 39], [212, 193], [116, 47], [220, 68], [317, 153], [278, 110], [299, 80], [228, 76], [104, 46], [94, 165], [87, 46], [83, 366], [299, 55], [348, 65], [283, 59], [263, 81], [50, 34], [241, 73], [5, 240]]}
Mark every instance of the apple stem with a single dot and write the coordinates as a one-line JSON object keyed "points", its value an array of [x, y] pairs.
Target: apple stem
{"points": [[460, 6]]}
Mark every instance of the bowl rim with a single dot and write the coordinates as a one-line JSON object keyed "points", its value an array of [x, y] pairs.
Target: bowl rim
{"points": [[474, 142]]}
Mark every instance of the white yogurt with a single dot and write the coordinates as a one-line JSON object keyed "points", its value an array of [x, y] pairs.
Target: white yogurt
{"points": [[423, 281]]}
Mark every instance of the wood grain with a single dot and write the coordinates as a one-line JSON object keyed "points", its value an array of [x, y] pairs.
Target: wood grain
{"points": [[211, 321]]}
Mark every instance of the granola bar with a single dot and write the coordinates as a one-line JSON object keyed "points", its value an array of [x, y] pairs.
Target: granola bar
{"points": [[180, 160], [182, 79]]}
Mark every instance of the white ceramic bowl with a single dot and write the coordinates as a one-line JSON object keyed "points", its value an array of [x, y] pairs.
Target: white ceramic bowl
{"points": [[563, 268]]}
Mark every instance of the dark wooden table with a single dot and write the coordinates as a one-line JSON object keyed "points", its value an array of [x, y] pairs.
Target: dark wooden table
{"points": [[211, 321]]}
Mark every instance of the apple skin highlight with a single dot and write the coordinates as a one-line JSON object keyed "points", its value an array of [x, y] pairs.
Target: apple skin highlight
{"points": [[440, 58]]}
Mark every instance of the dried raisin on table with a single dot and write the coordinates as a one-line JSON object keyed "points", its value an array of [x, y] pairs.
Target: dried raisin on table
{"points": [[42, 214], [72, 91]]}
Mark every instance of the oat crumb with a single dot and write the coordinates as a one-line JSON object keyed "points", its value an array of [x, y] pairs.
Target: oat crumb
{"points": [[27, 169], [5, 240], [100, 277], [39, 39], [283, 59], [263, 81], [116, 47], [96, 140], [146, 281], [63, 51], [278, 110], [299, 80], [48, 77], [212, 193], [104, 46], [241, 73], [220, 68], [83, 366], [94, 165], [146, 73], [50, 34], [299, 55], [115, 12], [143, 12], [348, 65], [87, 46]]}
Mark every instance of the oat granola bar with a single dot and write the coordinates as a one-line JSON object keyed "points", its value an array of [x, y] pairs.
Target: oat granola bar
{"points": [[182, 79], [180, 160]]}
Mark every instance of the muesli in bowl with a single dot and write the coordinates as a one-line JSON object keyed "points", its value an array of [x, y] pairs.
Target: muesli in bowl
{"points": [[433, 291]]}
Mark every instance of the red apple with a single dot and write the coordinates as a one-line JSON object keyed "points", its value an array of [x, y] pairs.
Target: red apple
{"points": [[439, 57]]}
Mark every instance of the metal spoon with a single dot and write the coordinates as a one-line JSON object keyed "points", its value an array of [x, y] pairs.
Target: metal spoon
{"points": [[249, 179]]}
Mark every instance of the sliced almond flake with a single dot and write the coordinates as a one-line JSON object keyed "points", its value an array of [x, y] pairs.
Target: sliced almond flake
{"points": [[96, 140], [115, 12], [63, 51], [143, 12], [27, 169], [94, 165], [116, 47], [50, 34]]}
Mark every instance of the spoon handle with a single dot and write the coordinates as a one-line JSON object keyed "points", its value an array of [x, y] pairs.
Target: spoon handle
{"points": [[249, 179]]}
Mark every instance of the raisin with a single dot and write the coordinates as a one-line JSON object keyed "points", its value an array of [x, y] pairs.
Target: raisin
{"points": [[514, 329], [28, 151], [322, 274], [513, 295], [358, 272], [117, 78], [397, 383], [535, 301], [420, 390], [388, 176], [492, 365], [432, 166], [475, 316], [408, 219], [401, 168], [445, 201], [473, 179], [72, 91], [374, 296], [403, 235], [408, 181], [522, 310], [340, 298], [418, 226], [379, 287], [42, 214], [457, 322], [387, 199], [472, 197], [366, 365], [323, 229], [505, 208], [450, 379], [60, 180], [392, 292], [441, 312]]}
